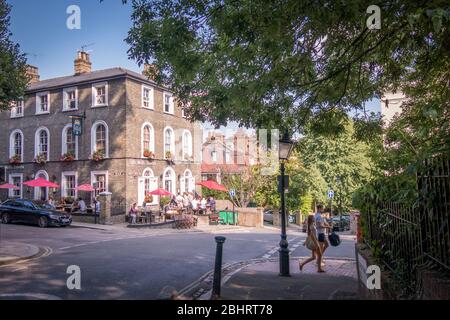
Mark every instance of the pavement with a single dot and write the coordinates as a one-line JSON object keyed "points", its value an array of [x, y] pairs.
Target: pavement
{"points": [[11, 252], [258, 279]]}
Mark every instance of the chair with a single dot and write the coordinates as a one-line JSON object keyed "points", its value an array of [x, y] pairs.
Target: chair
{"points": [[214, 219]]}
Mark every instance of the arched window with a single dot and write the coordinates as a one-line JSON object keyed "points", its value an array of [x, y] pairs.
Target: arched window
{"points": [[169, 141], [169, 180], [187, 145], [69, 141], [187, 182], [99, 138], [148, 141], [42, 143], [16, 144]]}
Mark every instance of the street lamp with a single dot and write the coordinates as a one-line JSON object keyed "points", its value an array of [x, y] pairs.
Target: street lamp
{"points": [[285, 148]]}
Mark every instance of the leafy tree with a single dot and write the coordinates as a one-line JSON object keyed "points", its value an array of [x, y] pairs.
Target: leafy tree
{"points": [[291, 64], [13, 78], [342, 163]]}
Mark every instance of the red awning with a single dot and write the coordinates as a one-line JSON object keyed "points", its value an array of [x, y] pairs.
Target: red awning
{"points": [[85, 187], [8, 186], [160, 192], [40, 182], [211, 184]]}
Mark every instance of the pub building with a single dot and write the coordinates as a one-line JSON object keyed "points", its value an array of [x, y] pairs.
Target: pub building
{"points": [[114, 129]]}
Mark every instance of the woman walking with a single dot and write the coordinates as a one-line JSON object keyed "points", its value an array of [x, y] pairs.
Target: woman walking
{"points": [[312, 244]]}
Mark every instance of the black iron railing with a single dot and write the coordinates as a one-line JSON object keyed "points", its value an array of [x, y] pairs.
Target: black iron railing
{"points": [[409, 238]]}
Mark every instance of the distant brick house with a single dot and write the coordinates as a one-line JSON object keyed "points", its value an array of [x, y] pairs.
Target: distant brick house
{"points": [[230, 155], [131, 126]]}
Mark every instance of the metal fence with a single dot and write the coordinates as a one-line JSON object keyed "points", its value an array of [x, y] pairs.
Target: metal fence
{"points": [[415, 237]]}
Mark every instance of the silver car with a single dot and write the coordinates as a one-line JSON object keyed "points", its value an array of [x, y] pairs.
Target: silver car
{"points": [[268, 216]]}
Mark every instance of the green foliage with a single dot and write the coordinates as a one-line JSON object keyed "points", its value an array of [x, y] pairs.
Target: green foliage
{"points": [[13, 78], [290, 64], [306, 203]]}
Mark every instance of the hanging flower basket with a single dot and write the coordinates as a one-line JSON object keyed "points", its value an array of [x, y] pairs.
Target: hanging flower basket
{"points": [[98, 155], [148, 199], [41, 159], [15, 159], [68, 157], [149, 154]]}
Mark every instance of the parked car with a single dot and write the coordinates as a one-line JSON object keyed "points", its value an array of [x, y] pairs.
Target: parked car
{"points": [[340, 223], [268, 216], [27, 211]]}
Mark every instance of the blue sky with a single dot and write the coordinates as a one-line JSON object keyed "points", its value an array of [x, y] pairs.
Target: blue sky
{"points": [[40, 29]]}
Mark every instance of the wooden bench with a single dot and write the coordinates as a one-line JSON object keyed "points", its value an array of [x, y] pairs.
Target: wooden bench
{"points": [[214, 219]]}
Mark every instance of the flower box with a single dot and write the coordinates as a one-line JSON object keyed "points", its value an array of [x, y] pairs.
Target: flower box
{"points": [[41, 159], [149, 154], [168, 156], [15, 160], [68, 157], [98, 155]]}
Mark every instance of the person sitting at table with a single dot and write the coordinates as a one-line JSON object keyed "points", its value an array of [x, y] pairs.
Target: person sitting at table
{"points": [[212, 204], [82, 205], [203, 205], [50, 202], [186, 202], [133, 213], [194, 205]]}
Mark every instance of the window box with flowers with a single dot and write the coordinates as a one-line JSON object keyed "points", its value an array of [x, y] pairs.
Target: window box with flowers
{"points": [[15, 159], [149, 154], [98, 155], [68, 157], [148, 199], [41, 158], [168, 156]]}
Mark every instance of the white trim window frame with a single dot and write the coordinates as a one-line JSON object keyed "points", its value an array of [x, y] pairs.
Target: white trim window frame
{"points": [[37, 142], [172, 178], [12, 144], [94, 137], [18, 109], [147, 94], [168, 103], [95, 95], [11, 181], [94, 174], [42, 106], [64, 188], [64, 141], [152, 138], [172, 141], [70, 99], [187, 145]]}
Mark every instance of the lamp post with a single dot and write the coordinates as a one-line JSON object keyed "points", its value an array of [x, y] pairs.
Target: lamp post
{"points": [[285, 149]]}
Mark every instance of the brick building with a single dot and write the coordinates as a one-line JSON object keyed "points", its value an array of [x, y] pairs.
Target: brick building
{"points": [[130, 122], [228, 155]]}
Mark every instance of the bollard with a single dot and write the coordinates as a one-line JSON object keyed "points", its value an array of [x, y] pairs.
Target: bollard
{"points": [[217, 268]]}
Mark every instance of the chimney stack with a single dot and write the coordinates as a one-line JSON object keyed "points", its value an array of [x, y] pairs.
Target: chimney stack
{"points": [[82, 63], [150, 71], [32, 74]]}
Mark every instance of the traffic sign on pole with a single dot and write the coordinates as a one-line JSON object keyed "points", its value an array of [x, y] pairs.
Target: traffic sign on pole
{"points": [[330, 194]]}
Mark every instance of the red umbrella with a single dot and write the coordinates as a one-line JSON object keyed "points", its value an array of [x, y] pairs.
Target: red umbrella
{"points": [[211, 184], [85, 187], [160, 192], [40, 182], [9, 186]]}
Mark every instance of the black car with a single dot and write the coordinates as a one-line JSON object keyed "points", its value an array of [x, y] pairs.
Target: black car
{"points": [[27, 211]]}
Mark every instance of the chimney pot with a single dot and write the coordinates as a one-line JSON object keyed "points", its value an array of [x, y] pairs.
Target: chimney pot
{"points": [[82, 64], [32, 74]]}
